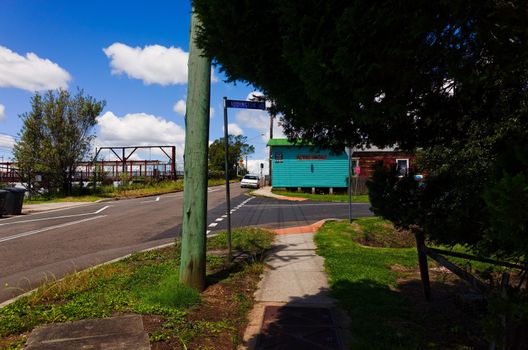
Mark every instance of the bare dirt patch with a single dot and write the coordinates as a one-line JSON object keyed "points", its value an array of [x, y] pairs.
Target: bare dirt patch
{"points": [[452, 320], [219, 321]]}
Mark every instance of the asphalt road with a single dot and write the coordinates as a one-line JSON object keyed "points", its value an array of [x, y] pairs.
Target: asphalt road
{"points": [[42, 246]]}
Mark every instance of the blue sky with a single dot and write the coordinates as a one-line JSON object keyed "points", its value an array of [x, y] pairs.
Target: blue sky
{"points": [[130, 53]]}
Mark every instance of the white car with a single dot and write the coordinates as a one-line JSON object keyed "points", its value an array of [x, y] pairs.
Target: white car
{"points": [[250, 181]]}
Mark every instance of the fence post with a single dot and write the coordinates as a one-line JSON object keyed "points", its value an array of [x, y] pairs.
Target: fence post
{"points": [[422, 260]]}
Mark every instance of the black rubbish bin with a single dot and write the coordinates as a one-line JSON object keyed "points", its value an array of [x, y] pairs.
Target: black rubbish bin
{"points": [[14, 200], [3, 197]]}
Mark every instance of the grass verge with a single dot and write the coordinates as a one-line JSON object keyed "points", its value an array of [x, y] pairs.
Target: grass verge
{"points": [[130, 191], [380, 289], [324, 197], [252, 241], [175, 316]]}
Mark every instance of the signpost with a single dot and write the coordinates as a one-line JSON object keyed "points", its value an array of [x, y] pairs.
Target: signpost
{"points": [[246, 104], [233, 104], [349, 183]]}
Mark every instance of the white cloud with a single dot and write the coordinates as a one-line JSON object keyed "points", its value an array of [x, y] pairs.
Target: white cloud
{"points": [[153, 64], [30, 72], [180, 107], [254, 95], [234, 129], [254, 166], [2, 111], [6, 141], [140, 129], [259, 120]]}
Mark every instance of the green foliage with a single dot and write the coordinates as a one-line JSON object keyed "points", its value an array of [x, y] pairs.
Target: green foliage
{"points": [[171, 293], [238, 148], [362, 71], [100, 176], [55, 136], [216, 174], [446, 77], [508, 216], [474, 192]]}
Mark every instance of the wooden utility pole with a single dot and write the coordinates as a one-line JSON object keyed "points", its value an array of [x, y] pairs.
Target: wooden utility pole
{"points": [[226, 169], [272, 116], [192, 266]]}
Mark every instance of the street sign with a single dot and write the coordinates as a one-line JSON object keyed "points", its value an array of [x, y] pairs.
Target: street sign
{"points": [[246, 104]]}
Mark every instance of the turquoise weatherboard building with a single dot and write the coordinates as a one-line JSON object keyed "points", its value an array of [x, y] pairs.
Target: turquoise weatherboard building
{"points": [[305, 166]]}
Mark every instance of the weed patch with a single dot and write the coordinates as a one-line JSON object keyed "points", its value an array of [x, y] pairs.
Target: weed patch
{"points": [[376, 232], [176, 316], [253, 241]]}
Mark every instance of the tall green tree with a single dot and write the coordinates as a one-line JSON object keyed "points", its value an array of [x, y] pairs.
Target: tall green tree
{"points": [[56, 135], [380, 72], [238, 148], [448, 77]]}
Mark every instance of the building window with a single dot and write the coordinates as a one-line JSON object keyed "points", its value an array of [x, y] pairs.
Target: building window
{"points": [[402, 166], [278, 157], [354, 164]]}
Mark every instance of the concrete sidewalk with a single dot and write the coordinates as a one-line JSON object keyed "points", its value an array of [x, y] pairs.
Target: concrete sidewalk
{"points": [[266, 192], [293, 307]]}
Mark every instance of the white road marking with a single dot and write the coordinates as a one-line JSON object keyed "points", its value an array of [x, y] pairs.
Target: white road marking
{"points": [[52, 210], [214, 224], [155, 200], [102, 209], [29, 233], [55, 217]]}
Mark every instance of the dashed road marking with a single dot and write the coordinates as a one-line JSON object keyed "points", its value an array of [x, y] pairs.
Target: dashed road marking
{"points": [[155, 200], [221, 218]]}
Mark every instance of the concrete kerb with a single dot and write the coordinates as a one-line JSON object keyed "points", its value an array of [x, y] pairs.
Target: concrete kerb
{"points": [[266, 192]]}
